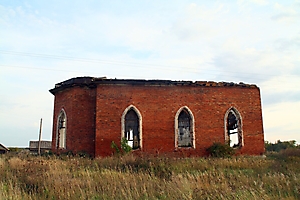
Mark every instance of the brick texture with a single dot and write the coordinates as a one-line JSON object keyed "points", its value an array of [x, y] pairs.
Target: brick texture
{"points": [[94, 116], [79, 104]]}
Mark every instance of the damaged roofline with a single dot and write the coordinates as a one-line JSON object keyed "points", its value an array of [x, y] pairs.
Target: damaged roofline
{"points": [[93, 81]]}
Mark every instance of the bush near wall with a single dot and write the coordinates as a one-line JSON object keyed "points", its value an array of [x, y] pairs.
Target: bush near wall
{"points": [[220, 150]]}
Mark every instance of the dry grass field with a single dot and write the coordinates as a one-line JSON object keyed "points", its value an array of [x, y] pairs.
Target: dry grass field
{"points": [[276, 176]]}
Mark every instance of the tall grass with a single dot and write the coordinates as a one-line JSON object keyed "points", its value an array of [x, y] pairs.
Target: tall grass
{"points": [[130, 177]]}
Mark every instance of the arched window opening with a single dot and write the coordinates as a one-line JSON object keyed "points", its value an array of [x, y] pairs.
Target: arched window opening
{"points": [[233, 135], [184, 123], [61, 130], [132, 133]]}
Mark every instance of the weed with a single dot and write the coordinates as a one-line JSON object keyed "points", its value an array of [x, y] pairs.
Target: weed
{"points": [[220, 150], [133, 177], [125, 148]]}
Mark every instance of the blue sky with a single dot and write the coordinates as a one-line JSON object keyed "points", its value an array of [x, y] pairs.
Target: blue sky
{"points": [[46, 42]]}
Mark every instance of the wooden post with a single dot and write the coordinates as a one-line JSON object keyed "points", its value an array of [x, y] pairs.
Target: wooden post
{"points": [[40, 136]]}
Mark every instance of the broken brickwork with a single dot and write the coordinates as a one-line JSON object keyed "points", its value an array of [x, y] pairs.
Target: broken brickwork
{"points": [[182, 118]]}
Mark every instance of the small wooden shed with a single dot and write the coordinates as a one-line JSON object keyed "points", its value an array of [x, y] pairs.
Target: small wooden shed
{"points": [[3, 149], [45, 146]]}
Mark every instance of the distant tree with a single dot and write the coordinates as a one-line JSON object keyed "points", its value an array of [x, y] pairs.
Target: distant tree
{"points": [[280, 145]]}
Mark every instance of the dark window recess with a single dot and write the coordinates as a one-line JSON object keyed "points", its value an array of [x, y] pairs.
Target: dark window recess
{"points": [[61, 134], [184, 129], [232, 122], [61, 121], [234, 131], [132, 129]]}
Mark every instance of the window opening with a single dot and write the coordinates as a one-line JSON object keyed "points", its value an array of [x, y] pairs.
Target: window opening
{"points": [[132, 129], [185, 136], [233, 129], [61, 131]]}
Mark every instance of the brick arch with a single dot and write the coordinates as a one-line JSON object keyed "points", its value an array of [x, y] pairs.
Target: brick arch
{"points": [[61, 130], [192, 124], [132, 107], [239, 128]]}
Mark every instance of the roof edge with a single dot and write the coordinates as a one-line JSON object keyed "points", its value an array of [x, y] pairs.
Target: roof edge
{"points": [[93, 81]]}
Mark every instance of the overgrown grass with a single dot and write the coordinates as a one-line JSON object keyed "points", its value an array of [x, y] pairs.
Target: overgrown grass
{"points": [[29, 177]]}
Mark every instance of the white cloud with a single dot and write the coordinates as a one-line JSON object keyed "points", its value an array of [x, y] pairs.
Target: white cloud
{"points": [[285, 14], [260, 2], [281, 121], [282, 84]]}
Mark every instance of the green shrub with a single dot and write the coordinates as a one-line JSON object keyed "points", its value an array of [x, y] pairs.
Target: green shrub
{"points": [[115, 147], [220, 150], [125, 148]]}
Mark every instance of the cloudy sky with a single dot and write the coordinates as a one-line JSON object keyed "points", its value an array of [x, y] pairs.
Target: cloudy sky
{"points": [[46, 42]]}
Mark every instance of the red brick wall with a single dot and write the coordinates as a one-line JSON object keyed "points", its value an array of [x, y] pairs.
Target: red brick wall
{"points": [[158, 106], [79, 105]]}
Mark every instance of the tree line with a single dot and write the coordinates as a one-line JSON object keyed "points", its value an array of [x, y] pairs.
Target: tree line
{"points": [[281, 145]]}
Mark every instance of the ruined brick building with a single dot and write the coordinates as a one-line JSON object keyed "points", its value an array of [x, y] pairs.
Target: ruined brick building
{"points": [[182, 118]]}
